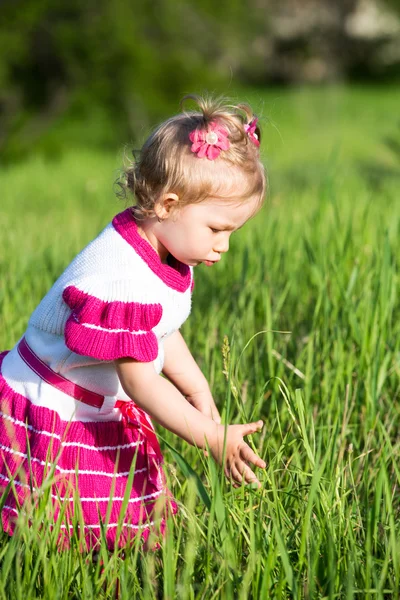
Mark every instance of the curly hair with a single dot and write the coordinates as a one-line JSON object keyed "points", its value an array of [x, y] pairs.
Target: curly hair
{"points": [[166, 163]]}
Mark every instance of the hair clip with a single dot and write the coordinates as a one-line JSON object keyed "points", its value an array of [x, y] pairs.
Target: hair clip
{"points": [[250, 129], [209, 142]]}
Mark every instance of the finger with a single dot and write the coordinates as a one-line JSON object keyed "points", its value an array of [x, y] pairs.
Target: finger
{"points": [[233, 474], [236, 476], [251, 457], [249, 428], [247, 474]]}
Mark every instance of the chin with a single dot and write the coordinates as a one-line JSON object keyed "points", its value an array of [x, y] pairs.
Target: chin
{"points": [[190, 262]]}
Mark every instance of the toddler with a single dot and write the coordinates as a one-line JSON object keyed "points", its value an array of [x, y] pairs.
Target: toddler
{"points": [[80, 389]]}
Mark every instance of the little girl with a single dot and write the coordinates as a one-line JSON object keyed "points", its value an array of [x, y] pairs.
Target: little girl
{"points": [[80, 388]]}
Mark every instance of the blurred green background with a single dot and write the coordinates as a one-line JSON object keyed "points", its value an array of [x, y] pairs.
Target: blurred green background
{"points": [[100, 74], [81, 84]]}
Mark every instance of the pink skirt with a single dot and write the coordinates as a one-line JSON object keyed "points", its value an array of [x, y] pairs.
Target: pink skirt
{"points": [[105, 480]]}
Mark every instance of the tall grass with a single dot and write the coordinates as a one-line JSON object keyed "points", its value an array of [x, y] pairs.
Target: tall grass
{"points": [[298, 325]]}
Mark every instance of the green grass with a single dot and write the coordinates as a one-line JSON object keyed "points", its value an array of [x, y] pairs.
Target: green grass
{"points": [[308, 301]]}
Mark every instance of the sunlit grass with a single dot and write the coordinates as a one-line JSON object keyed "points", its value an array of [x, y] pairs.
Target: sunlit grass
{"points": [[316, 277]]}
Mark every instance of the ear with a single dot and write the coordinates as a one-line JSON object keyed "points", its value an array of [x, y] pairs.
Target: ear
{"points": [[165, 205]]}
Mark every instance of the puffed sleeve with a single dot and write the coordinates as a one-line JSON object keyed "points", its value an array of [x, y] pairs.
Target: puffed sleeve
{"points": [[107, 329]]}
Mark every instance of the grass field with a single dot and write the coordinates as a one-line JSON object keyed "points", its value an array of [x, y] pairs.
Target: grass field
{"points": [[298, 325]]}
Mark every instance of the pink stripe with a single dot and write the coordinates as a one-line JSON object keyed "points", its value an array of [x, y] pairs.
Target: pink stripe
{"points": [[109, 345], [32, 474], [132, 316], [139, 514], [69, 461], [104, 472], [142, 515], [90, 534], [176, 274], [56, 380], [92, 464]]}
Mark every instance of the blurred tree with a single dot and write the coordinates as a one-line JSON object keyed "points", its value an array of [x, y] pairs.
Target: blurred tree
{"points": [[125, 61], [103, 72]]}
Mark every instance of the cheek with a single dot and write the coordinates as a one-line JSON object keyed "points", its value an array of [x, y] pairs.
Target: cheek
{"points": [[195, 235], [190, 240], [182, 239]]}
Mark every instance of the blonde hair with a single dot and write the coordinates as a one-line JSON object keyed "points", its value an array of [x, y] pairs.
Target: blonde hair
{"points": [[166, 164]]}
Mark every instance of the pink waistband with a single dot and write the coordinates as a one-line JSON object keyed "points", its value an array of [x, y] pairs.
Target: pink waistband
{"points": [[58, 381], [132, 414]]}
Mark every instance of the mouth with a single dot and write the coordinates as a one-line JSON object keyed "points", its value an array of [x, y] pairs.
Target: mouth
{"points": [[210, 263]]}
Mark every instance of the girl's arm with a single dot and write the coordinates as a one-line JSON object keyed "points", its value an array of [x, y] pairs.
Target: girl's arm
{"points": [[164, 403], [181, 368]]}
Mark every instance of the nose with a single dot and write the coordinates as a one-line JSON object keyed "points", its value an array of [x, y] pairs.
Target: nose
{"points": [[222, 245]]}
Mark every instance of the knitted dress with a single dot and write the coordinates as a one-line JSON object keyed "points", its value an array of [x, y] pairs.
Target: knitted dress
{"points": [[63, 412]]}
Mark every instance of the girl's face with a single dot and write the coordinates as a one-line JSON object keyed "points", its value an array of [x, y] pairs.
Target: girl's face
{"points": [[199, 233]]}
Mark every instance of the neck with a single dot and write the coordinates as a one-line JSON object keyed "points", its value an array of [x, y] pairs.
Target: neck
{"points": [[148, 229]]}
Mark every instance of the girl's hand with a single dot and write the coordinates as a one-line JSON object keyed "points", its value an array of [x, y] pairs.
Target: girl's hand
{"points": [[238, 454], [204, 402]]}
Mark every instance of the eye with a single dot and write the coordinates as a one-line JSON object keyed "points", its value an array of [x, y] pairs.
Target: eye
{"points": [[215, 230]]}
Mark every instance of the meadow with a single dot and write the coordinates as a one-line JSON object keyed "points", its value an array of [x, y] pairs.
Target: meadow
{"points": [[298, 325]]}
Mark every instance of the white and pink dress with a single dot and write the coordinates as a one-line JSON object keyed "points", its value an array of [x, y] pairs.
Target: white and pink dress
{"points": [[63, 412]]}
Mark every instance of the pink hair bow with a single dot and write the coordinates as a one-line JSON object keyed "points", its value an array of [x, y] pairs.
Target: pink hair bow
{"points": [[250, 129], [209, 142]]}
